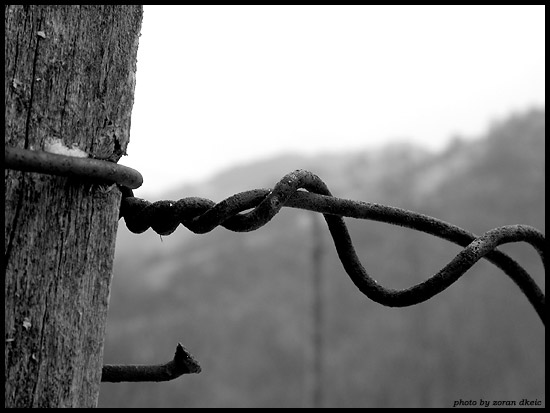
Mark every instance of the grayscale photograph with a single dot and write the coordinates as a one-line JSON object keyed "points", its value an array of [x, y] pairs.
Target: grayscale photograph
{"points": [[274, 206]]}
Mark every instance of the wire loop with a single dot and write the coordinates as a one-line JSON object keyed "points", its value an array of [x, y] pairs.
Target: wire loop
{"points": [[202, 215]]}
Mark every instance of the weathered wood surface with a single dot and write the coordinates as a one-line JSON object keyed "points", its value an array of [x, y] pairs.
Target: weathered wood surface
{"points": [[69, 77]]}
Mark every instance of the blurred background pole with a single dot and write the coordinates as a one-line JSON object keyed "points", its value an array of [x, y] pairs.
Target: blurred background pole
{"points": [[317, 345]]}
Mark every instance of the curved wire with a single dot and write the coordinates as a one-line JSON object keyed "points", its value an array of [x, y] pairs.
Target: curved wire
{"points": [[201, 215]]}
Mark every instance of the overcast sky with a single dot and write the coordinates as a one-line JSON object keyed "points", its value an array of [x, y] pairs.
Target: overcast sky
{"points": [[221, 85]]}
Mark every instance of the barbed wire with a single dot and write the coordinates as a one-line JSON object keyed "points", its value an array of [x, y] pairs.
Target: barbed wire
{"points": [[299, 189], [201, 215]]}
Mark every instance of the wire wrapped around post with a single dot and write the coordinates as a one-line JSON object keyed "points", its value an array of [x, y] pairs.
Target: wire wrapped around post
{"points": [[299, 189], [70, 166]]}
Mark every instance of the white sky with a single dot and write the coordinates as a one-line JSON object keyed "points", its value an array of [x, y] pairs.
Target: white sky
{"points": [[221, 85]]}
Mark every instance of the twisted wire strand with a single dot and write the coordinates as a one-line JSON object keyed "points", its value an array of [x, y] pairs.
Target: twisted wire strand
{"points": [[202, 215]]}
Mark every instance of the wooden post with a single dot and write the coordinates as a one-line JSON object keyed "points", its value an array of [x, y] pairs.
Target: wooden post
{"points": [[69, 79]]}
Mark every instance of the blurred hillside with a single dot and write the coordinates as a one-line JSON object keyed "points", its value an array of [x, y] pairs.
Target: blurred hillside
{"points": [[241, 302]]}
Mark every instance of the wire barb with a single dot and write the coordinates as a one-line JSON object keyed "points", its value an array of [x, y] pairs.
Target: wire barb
{"points": [[202, 215], [182, 363]]}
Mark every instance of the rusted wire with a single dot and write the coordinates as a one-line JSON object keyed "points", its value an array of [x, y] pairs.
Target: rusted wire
{"points": [[182, 363], [56, 164], [201, 215]]}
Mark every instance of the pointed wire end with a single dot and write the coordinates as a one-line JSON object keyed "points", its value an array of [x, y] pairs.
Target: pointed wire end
{"points": [[185, 362]]}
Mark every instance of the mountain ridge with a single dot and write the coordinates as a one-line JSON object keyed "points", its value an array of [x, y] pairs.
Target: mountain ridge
{"points": [[240, 302]]}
